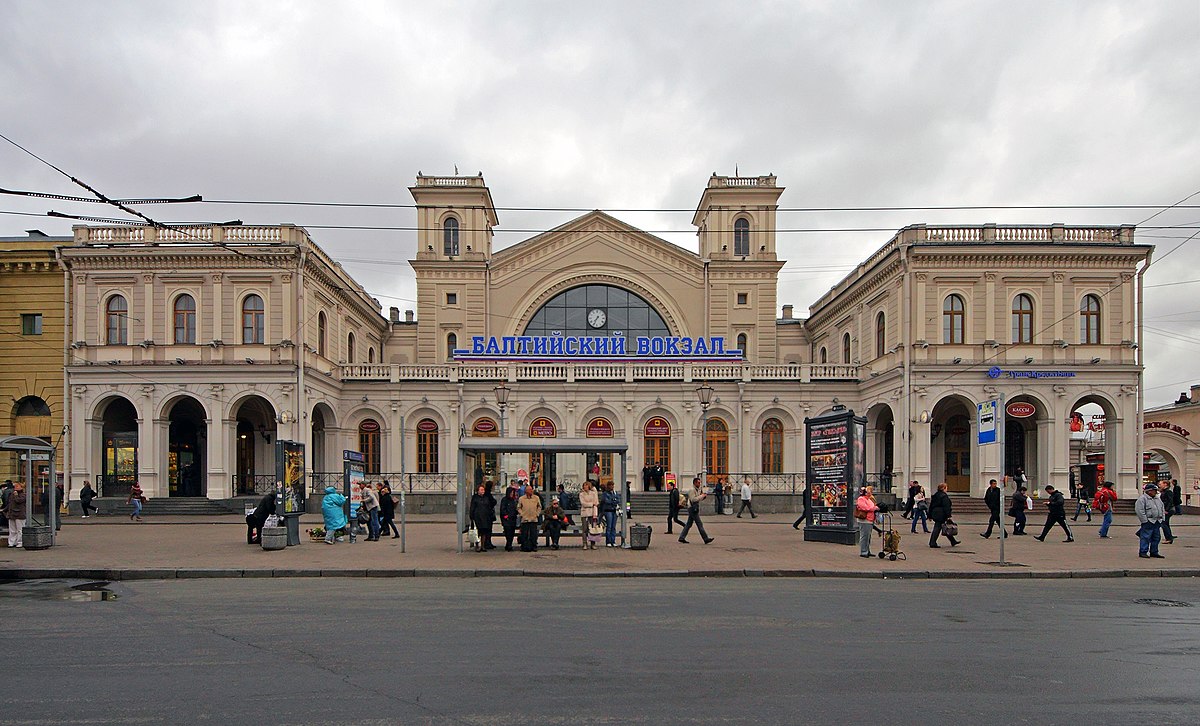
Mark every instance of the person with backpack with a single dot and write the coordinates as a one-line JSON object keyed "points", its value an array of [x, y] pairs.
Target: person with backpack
{"points": [[1103, 503]]}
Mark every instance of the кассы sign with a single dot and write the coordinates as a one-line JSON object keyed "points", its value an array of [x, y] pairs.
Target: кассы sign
{"points": [[1020, 409]]}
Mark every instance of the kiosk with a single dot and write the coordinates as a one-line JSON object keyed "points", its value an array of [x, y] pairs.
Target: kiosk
{"points": [[835, 453]]}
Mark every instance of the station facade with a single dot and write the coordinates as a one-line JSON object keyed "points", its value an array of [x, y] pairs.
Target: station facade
{"points": [[195, 349]]}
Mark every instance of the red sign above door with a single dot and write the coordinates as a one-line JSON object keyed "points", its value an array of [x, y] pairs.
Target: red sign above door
{"points": [[1020, 409]]}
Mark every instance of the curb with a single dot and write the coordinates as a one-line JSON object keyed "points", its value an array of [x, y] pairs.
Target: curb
{"points": [[157, 573]]}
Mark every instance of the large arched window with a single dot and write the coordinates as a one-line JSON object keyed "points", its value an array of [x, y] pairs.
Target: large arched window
{"points": [[953, 319], [1022, 319], [368, 444], [880, 334], [656, 440], [450, 237], [116, 313], [451, 345], [772, 446], [185, 320], [845, 347], [427, 446], [741, 237], [350, 348], [322, 330], [598, 310], [1089, 320], [252, 320]]}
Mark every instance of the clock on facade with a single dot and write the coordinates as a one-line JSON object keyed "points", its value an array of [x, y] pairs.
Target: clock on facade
{"points": [[596, 318]]}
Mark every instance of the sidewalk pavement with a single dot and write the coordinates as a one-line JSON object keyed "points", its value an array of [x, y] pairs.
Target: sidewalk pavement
{"points": [[114, 548]]}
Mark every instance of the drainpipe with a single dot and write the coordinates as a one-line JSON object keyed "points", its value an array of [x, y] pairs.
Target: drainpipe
{"points": [[1141, 384], [301, 393], [906, 336], [66, 407]]}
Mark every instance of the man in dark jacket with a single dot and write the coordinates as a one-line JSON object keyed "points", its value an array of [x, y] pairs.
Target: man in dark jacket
{"points": [[992, 498], [1057, 514], [673, 507], [256, 519], [1177, 495], [1020, 503], [940, 509], [508, 517], [913, 488]]}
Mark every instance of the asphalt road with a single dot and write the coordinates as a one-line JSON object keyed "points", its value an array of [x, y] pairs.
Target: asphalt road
{"points": [[649, 651]]}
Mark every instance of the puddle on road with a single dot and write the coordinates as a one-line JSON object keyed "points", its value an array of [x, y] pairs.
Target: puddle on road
{"points": [[60, 590]]}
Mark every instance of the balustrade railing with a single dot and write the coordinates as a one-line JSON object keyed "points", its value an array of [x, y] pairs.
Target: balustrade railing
{"points": [[248, 484], [632, 371]]}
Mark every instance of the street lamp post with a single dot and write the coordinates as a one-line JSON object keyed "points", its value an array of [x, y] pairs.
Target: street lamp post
{"points": [[502, 392], [705, 394]]}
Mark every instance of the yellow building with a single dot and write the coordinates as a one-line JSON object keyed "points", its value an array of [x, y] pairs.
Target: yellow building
{"points": [[31, 356]]}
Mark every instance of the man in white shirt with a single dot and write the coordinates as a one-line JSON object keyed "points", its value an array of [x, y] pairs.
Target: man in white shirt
{"points": [[746, 501]]}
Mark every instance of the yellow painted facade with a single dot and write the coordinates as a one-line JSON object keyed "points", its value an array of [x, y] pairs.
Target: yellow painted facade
{"points": [[31, 345]]}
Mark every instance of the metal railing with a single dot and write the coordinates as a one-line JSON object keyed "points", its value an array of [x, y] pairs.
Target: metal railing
{"points": [[110, 485], [247, 484], [436, 483], [782, 483], [882, 481]]}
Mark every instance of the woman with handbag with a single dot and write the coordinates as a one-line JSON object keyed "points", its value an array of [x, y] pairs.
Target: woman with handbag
{"points": [[589, 508], [940, 511]]}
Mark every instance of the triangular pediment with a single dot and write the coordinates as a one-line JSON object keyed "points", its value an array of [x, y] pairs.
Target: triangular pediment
{"points": [[600, 237]]}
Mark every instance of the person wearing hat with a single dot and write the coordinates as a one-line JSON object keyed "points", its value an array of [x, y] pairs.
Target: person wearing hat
{"points": [[1057, 514], [1150, 512], [555, 518]]}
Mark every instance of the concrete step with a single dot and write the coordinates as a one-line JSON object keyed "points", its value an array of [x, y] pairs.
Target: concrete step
{"points": [[173, 506]]}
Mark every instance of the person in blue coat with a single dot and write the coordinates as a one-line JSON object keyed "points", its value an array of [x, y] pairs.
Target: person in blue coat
{"points": [[332, 510]]}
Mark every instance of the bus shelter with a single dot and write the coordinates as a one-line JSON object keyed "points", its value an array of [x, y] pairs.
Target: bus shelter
{"points": [[32, 447], [470, 449]]}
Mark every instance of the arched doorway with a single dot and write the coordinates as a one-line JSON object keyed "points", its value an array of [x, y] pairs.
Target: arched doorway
{"points": [[716, 451], [187, 435], [881, 445], [950, 444], [322, 421], [599, 466], [487, 464], [254, 465], [1094, 435], [1025, 423], [656, 438], [119, 444], [31, 417], [543, 467]]}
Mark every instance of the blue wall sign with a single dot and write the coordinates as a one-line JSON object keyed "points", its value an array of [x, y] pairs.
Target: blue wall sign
{"points": [[579, 347], [997, 372]]}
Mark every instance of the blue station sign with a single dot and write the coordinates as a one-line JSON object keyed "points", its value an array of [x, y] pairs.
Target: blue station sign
{"points": [[997, 372], [585, 347]]}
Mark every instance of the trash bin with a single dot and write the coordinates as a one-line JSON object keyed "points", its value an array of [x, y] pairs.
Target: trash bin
{"points": [[639, 536], [274, 538], [728, 506], [291, 523], [35, 538]]}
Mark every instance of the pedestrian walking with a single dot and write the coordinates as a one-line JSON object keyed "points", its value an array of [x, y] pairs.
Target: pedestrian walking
{"points": [[508, 516], [1177, 495], [86, 495], [804, 512], [370, 501], [941, 511], [1020, 504], [257, 519], [1166, 496], [864, 511], [529, 509], [746, 501], [610, 502], [137, 499], [387, 511], [1083, 503], [992, 498], [1103, 502], [1151, 514], [920, 510], [695, 496], [14, 512], [1056, 513], [675, 502], [554, 519], [909, 503]]}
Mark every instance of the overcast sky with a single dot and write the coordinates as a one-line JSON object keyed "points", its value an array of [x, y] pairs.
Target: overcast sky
{"points": [[623, 105]]}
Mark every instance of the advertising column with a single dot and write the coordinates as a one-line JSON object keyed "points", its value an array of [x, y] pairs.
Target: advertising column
{"points": [[835, 455]]}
